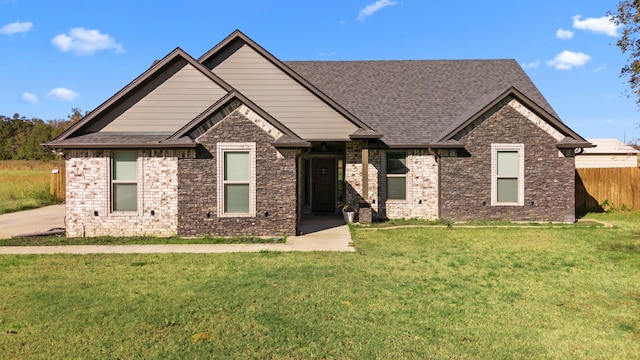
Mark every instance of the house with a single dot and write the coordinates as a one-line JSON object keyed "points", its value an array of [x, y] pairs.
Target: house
{"points": [[607, 153], [240, 142]]}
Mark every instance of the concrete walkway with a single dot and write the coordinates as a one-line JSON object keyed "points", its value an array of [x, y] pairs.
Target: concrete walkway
{"points": [[318, 234]]}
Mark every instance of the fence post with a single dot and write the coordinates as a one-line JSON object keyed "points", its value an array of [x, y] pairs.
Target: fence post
{"points": [[57, 184]]}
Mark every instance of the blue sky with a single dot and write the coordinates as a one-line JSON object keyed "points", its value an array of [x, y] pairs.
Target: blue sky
{"points": [[59, 55]]}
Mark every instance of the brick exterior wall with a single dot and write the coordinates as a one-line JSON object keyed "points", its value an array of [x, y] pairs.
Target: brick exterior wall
{"points": [[88, 210], [276, 205], [422, 183], [549, 182]]}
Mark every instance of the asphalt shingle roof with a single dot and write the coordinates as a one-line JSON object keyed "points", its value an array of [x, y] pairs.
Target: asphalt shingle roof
{"points": [[416, 101]]}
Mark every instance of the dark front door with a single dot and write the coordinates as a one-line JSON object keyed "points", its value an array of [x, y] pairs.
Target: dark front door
{"points": [[323, 182]]}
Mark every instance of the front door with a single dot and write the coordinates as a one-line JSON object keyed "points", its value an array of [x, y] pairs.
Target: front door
{"points": [[323, 182]]}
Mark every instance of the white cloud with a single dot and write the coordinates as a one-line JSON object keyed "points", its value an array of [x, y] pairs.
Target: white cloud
{"points": [[601, 25], [62, 94], [86, 41], [564, 34], [567, 60], [29, 98], [371, 9], [16, 27], [533, 64]]}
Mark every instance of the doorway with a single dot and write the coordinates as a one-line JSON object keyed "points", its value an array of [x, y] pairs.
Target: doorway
{"points": [[323, 184]]}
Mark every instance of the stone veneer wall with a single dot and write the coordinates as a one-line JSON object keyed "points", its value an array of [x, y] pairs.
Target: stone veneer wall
{"points": [[549, 175], [422, 183], [276, 211], [89, 193]]}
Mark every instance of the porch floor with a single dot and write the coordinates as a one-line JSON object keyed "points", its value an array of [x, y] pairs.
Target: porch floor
{"points": [[319, 222]]}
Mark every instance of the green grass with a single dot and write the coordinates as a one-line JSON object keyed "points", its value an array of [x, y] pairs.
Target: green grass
{"points": [[414, 222], [410, 293], [25, 185], [140, 240]]}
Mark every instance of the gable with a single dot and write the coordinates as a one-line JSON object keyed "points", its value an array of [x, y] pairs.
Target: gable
{"points": [[514, 104], [515, 100], [284, 98], [235, 106], [170, 105]]}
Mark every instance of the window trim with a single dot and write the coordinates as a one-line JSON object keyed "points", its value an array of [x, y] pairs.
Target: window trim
{"points": [[221, 149], [113, 182], [404, 175], [495, 149]]}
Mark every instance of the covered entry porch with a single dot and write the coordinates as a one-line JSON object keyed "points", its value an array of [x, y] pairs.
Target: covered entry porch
{"points": [[322, 171]]}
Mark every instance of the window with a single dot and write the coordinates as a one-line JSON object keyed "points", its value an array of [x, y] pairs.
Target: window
{"points": [[396, 175], [236, 182], [124, 181], [507, 180], [236, 179]]}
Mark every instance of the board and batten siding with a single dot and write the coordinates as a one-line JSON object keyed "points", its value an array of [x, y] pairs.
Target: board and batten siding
{"points": [[171, 105], [282, 97]]}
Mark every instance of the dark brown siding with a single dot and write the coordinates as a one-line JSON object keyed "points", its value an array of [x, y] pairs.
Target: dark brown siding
{"points": [[548, 178], [275, 185]]}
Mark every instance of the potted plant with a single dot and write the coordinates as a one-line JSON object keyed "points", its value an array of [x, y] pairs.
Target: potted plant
{"points": [[348, 212]]}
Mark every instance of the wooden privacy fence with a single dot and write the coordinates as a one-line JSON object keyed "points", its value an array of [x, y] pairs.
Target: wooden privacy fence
{"points": [[57, 186], [605, 188]]}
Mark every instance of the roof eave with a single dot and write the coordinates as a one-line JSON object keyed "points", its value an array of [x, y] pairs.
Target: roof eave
{"points": [[291, 145], [120, 146], [365, 136], [418, 146], [575, 145]]}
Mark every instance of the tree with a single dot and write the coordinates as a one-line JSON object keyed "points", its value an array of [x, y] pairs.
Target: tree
{"points": [[76, 114], [21, 138], [627, 17]]}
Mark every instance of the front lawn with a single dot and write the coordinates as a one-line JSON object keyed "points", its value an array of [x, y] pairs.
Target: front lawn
{"points": [[414, 293]]}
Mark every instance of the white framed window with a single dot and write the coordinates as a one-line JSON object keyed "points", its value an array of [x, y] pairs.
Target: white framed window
{"points": [[396, 175], [236, 179], [124, 181], [507, 174]]}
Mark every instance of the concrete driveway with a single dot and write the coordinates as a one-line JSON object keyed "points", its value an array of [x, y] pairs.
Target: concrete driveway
{"points": [[29, 221]]}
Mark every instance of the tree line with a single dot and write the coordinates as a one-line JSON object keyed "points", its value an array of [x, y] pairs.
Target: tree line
{"points": [[21, 138]]}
